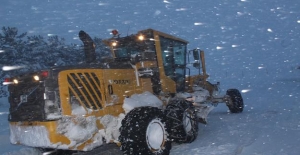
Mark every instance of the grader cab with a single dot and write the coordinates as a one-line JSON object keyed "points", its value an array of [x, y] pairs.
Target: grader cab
{"points": [[143, 99]]}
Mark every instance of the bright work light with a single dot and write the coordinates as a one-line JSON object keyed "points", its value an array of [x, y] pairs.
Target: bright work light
{"points": [[36, 78]]}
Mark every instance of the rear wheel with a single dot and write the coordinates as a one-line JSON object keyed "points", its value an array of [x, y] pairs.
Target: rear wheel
{"points": [[236, 103], [181, 116], [144, 131]]}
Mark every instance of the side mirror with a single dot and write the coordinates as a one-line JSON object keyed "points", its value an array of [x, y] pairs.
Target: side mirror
{"points": [[196, 55]]}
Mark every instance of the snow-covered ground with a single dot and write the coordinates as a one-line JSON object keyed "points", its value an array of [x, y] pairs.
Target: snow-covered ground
{"points": [[252, 45], [269, 125]]}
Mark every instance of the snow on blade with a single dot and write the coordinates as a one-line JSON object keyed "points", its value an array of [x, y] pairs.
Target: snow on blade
{"points": [[78, 129], [112, 125], [34, 136], [110, 132]]}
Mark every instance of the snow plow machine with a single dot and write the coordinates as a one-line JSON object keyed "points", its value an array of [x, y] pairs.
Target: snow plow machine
{"points": [[136, 103]]}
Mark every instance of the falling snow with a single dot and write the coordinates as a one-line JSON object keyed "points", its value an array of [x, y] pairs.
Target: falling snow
{"points": [[250, 45]]}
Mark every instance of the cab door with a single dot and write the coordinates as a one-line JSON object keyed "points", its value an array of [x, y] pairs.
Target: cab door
{"points": [[174, 60]]}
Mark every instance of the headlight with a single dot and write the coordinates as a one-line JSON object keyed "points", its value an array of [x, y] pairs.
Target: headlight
{"points": [[141, 37], [114, 44], [15, 81], [36, 78]]}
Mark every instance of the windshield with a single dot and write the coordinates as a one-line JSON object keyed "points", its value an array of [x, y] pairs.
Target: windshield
{"points": [[130, 46], [125, 52]]}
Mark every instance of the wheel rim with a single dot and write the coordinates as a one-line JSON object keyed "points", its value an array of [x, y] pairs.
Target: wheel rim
{"points": [[155, 135], [187, 123]]}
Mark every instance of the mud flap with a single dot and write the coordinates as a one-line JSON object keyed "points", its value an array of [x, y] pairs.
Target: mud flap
{"points": [[202, 112]]}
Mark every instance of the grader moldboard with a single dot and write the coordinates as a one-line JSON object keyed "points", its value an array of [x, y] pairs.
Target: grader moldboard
{"points": [[44, 105]]}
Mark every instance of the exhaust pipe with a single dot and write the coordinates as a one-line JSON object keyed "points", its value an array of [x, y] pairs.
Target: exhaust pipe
{"points": [[89, 47]]}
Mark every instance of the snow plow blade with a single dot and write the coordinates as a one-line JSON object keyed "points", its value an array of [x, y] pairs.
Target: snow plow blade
{"points": [[202, 112]]}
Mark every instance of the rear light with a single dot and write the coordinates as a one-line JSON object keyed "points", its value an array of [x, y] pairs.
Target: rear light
{"points": [[41, 75], [115, 32], [44, 73], [7, 81]]}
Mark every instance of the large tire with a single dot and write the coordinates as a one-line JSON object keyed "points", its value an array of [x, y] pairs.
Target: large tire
{"points": [[144, 132], [181, 116], [236, 103]]}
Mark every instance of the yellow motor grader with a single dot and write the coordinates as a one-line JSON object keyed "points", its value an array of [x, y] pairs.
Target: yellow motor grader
{"points": [[142, 99]]}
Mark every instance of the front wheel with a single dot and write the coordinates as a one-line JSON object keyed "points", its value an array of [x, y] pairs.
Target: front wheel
{"points": [[181, 116], [144, 132], [235, 102]]}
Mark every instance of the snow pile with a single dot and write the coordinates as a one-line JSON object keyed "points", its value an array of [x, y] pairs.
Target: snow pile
{"points": [[77, 109], [35, 136], [139, 100], [110, 133], [78, 129], [97, 140], [112, 125]]}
